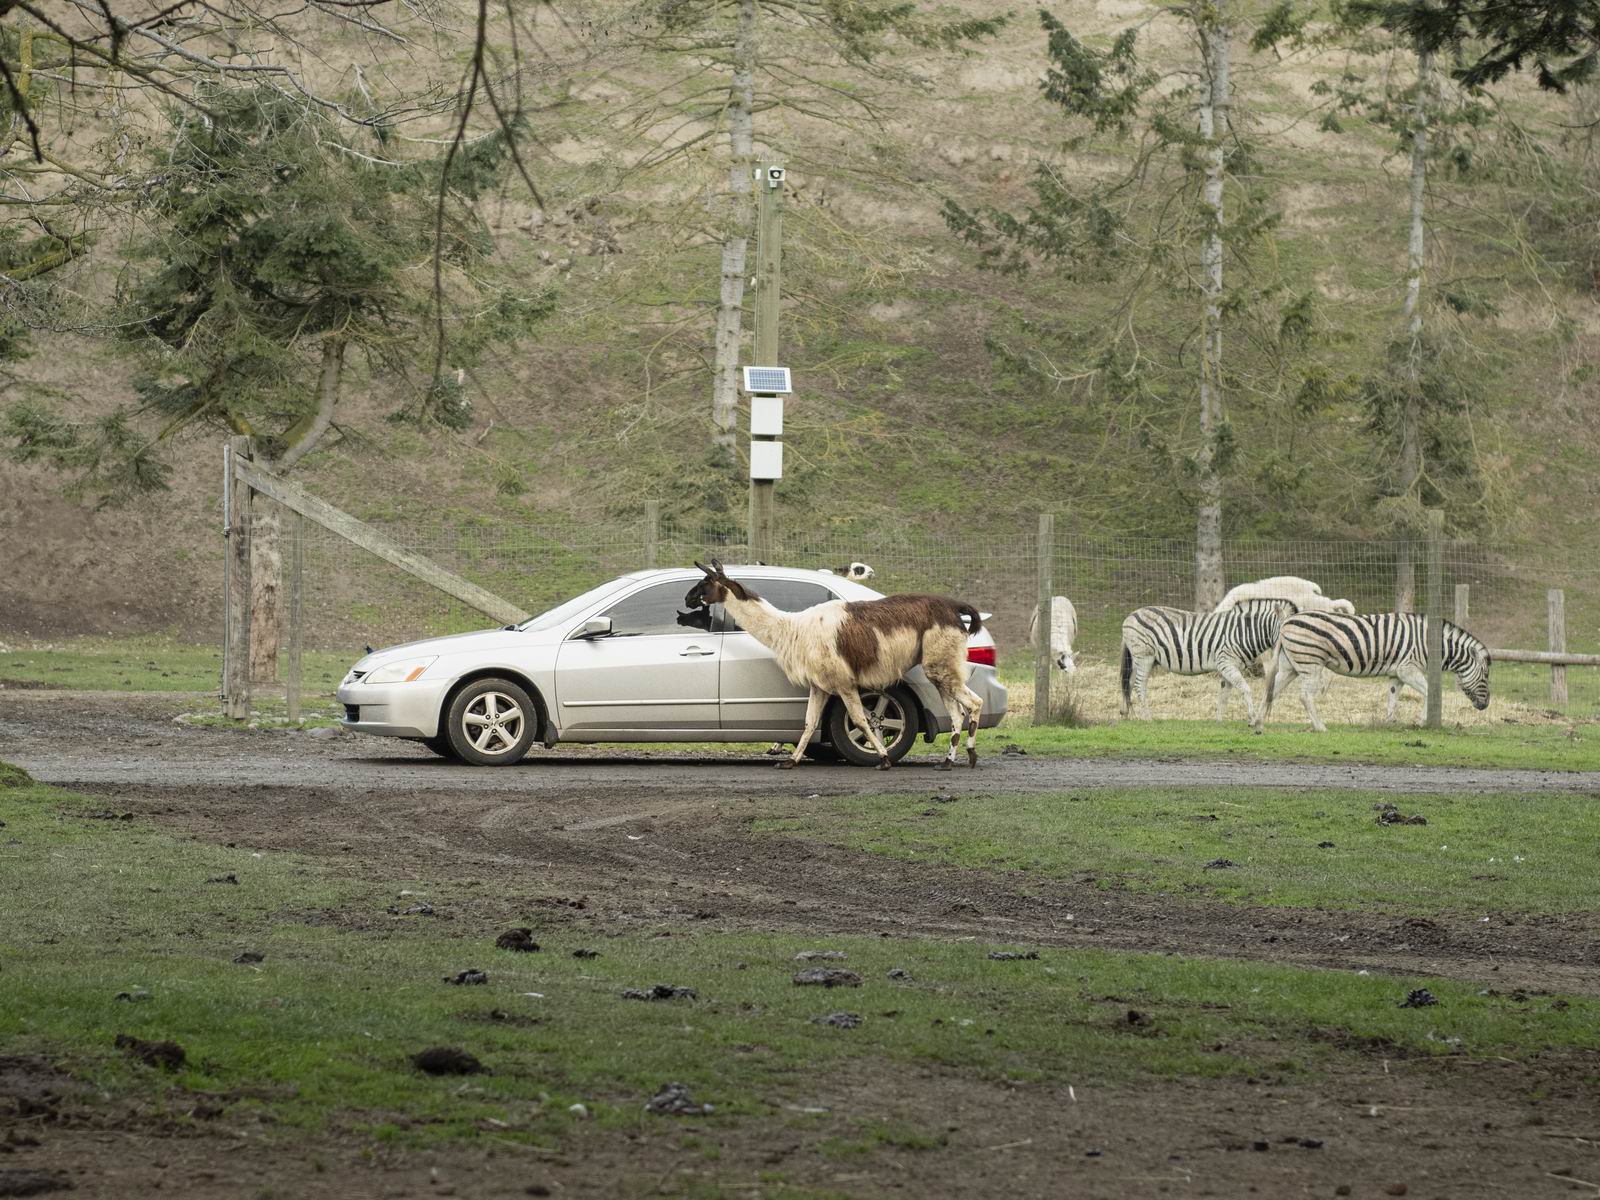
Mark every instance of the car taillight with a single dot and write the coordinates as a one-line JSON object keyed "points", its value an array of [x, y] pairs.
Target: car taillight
{"points": [[983, 655]]}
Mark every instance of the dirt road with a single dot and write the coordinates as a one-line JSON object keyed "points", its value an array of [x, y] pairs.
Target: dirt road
{"points": [[83, 738]]}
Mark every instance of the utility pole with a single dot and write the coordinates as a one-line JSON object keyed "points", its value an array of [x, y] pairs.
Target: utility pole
{"points": [[769, 263]]}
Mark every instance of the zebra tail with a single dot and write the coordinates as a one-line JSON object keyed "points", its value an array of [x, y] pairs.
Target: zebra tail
{"points": [[1127, 679]]}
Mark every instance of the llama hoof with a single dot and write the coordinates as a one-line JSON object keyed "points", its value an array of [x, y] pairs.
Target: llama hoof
{"points": [[944, 765], [787, 764], [885, 764], [972, 758]]}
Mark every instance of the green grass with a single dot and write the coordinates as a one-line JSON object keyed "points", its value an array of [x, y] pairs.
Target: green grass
{"points": [[1477, 855], [318, 1035], [1539, 747], [145, 663]]}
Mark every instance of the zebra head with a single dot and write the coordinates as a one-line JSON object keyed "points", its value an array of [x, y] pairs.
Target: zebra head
{"points": [[1469, 659]]}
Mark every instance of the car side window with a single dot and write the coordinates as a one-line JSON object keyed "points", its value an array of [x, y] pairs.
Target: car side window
{"points": [[791, 595], [653, 610]]}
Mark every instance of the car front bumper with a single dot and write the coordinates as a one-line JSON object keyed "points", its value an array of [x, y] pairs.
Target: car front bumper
{"points": [[391, 709]]}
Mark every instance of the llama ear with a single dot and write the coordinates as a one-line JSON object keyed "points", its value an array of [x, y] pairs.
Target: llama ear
{"points": [[705, 568], [717, 564]]}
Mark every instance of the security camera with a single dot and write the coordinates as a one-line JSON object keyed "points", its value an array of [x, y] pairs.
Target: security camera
{"points": [[774, 176]]}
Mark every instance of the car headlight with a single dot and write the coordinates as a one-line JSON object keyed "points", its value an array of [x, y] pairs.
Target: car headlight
{"points": [[403, 671]]}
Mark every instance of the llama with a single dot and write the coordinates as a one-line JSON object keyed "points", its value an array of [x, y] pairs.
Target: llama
{"points": [[1063, 632], [838, 647], [858, 571], [1307, 596]]}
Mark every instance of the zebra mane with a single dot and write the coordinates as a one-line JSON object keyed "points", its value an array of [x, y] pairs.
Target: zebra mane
{"points": [[1471, 639]]}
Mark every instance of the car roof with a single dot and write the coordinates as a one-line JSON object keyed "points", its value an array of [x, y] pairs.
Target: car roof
{"points": [[849, 589]]}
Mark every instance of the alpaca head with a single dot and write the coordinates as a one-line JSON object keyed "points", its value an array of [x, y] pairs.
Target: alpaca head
{"points": [[715, 588]]}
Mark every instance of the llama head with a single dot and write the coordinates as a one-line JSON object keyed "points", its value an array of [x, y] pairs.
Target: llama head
{"points": [[859, 571], [715, 588]]}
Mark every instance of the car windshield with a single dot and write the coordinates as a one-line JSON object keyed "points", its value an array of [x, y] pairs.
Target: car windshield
{"points": [[571, 608]]}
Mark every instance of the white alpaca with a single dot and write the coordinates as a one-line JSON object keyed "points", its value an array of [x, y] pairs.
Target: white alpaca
{"points": [[1307, 597], [1063, 631], [838, 647]]}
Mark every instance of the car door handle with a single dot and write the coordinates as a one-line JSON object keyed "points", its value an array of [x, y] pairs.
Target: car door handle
{"points": [[694, 651]]}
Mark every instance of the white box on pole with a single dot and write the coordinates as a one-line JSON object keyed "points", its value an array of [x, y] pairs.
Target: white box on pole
{"points": [[766, 416], [766, 460]]}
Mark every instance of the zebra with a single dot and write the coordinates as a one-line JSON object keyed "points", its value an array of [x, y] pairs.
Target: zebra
{"points": [[1188, 643], [1388, 643]]}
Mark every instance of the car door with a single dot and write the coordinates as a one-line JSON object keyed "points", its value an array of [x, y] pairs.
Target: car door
{"points": [[650, 674], [756, 695]]}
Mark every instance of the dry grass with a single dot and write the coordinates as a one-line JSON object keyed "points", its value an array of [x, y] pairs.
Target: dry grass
{"points": [[1097, 690]]}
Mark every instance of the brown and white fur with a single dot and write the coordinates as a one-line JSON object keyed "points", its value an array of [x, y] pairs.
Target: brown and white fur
{"points": [[841, 646]]}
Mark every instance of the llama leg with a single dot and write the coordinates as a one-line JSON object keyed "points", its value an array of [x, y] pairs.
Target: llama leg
{"points": [[858, 714], [1309, 678], [1233, 677], [975, 706], [954, 708], [814, 706]]}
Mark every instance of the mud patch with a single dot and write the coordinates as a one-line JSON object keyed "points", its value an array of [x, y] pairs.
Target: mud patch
{"points": [[20, 1181], [165, 1056], [446, 1060], [519, 940]]}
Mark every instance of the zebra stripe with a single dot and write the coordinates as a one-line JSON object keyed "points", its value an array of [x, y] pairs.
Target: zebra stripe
{"points": [[1188, 643], [1391, 643]]}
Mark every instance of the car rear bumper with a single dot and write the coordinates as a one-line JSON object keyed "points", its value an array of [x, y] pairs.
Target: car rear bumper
{"points": [[390, 710]]}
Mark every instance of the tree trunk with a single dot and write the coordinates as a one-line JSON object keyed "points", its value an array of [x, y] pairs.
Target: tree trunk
{"points": [[1209, 583], [730, 303], [266, 540], [1410, 464]]}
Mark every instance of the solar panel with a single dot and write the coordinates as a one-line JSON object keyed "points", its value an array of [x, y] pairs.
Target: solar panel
{"points": [[768, 381]]}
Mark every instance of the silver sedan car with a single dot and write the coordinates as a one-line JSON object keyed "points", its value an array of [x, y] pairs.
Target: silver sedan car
{"points": [[624, 662]]}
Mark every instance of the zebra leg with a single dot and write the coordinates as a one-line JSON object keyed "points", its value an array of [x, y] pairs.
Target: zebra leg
{"points": [[1394, 698], [1232, 676], [1222, 698], [1141, 683], [1310, 677], [1416, 679], [1278, 674]]}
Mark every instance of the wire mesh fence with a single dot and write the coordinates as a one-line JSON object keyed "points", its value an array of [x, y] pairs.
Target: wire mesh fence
{"points": [[353, 599]]}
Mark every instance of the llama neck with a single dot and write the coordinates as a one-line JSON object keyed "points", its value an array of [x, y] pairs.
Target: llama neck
{"points": [[768, 625]]}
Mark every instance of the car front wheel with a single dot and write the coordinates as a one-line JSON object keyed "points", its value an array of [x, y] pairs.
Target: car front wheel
{"points": [[491, 723], [892, 712]]}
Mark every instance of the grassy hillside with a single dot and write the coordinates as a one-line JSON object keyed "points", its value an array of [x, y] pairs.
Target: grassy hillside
{"points": [[925, 426]]}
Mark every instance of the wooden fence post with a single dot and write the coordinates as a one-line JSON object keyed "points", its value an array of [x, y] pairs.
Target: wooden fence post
{"points": [[238, 704], [1434, 618], [1463, 604], [652, 533], [1558, 645], [1041, 650], [227, 561], [297, 542]]}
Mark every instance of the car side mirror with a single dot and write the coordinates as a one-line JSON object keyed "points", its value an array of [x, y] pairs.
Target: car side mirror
{"points": [[594, 627]]}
